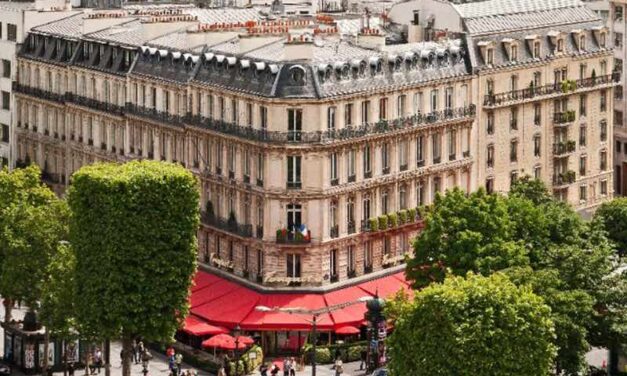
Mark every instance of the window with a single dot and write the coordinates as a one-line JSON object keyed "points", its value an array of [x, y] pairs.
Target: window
{"points": [[490, 86], [249, 114], [333, 264], [259, 262], [513, 151], [536, 49], [603, 101], [437, 147], [452, 144], [536, 145], [400, 105], [293, 171], [603, 187], [334, 172], [367, 162], [582, 42], [385, 158], [365, 111], [489, 185], [348, 114], [231, 158], [350, 165], [294, 216], [603, 160], [402, 198], [420, 193], [260, 168], [582, 135], [367, 257], [603, 130], [6, 68], [294, 124], [437, 184], [560, 45], [583, 100], [385, 200], [6, 100], [420, 151], [448, 99], [583, 193], [490, 125], [513, 82], [513, 55], [603, 65], [513, 177], [513, 118], [618, 146], [537, 172], [350, 255], [4, 133], [537, 114], [387, 245], [12, 32], [365, 208], [418, 103], [221, 108], [434, 100], [490, 56], [583, 162], [350, 215], [537, 79], [490, 156], [263, 117], [235, 111], [582, 71], [331, 118], [293, 265], [383, 109]]}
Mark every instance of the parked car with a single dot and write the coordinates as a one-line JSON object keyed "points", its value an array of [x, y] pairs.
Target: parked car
{"points": [[5, 369], [380, 372]]}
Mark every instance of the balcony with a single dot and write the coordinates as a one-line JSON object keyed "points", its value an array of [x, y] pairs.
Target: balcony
{"points": [[466, 154], [367, 269], [259, 232], [352, 178], [154, 114], [367, 174], [235, 228], [541, 92], [350, 227], [403, 167], [564, 117], [331, 135], [231, 174], [94, 104], [334, 231], [562, 148], [451, 157], [39, 93], [565, 178], [246, 179], [436, 160], [334, 277], [285, 236], [390, 220], [294, 185], [335, 181], [385, 170], [420, 163], [259, 182]]}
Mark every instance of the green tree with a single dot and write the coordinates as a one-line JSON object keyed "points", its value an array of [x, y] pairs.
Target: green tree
{"points": [[473, 326], [133, 230], [32, 222], [613, 216], [531, 189], [562, 257]]}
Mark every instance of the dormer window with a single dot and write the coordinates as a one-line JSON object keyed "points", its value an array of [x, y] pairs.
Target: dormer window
{"points": [[582, 42], [536, 49], [560, 45], [490, 56], [513, 52]]}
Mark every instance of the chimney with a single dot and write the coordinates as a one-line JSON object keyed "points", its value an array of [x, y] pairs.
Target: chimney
{"points": [[299, 47], [371, 38], [414, 29]]}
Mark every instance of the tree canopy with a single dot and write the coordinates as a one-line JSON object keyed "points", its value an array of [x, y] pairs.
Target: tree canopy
{"points": [[613, 216], [133, 230], [538, 242], [32, 223], [473, 326]]}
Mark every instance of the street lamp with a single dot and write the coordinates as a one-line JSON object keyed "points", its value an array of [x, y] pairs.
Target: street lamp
{"points": [[315, 313], [236, 333]]}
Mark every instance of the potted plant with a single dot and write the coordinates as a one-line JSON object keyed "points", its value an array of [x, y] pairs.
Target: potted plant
{"points": [[402, 216], [383, 222], [564, 86], [392, 220], [411, 214], [373, 224]]}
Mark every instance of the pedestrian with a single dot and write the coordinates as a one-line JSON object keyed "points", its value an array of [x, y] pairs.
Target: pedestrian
{"points": [[286, 367], [274, 370], [363, 355], [292, 367], [140, 350], [136, 353], [221, 372], [263, 369], [171, 365], [89, 363], [170, 351], [178, 360], [339, 367], [70, 368], [146, 357], [98, 359]]}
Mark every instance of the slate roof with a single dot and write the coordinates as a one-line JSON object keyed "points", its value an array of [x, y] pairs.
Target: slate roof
{"points": [[492, 16], [68, 27]]}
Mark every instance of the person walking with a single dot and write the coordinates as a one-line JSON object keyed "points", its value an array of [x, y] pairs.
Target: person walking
{"points": [[97, 360], [146, 356], [339, 367], [286, 367], [263, 369], [178, 362], [292, 367], [363, 355], [171, 365]]}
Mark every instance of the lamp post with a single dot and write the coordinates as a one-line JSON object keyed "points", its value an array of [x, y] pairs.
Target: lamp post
{"points": [[236, 332], [315, 313]]}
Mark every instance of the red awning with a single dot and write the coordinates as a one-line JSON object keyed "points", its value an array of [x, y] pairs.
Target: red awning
{"points": [[347, 330], [197, 327], [225, 303]]}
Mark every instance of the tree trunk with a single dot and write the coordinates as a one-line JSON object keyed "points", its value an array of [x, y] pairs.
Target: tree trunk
{"points": [[44, 369], [8, 306], [107, 357], [127, 349]]}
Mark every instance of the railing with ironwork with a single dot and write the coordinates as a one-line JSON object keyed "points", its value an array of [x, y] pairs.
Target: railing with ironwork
{"points": [[564, 117], [229, 226], [334, 231], [285, 236], [560, 148], [555, 88], [333, 134], [36, 92], [95, 104], [154, 114], [564, 178]]}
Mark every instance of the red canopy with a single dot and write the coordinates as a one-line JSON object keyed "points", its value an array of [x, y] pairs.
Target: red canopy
{"points": [[246, 340], [225, 303], [197, 327], [223, 341], [347, 329]]}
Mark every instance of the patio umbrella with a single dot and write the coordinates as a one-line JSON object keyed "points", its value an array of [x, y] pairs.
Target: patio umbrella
{"points": [[347, 329], [197, 327], [246, 340], [222, 341]]}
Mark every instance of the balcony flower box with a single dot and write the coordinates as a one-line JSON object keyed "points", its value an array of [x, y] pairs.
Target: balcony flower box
{"points": [[383, 222]]}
